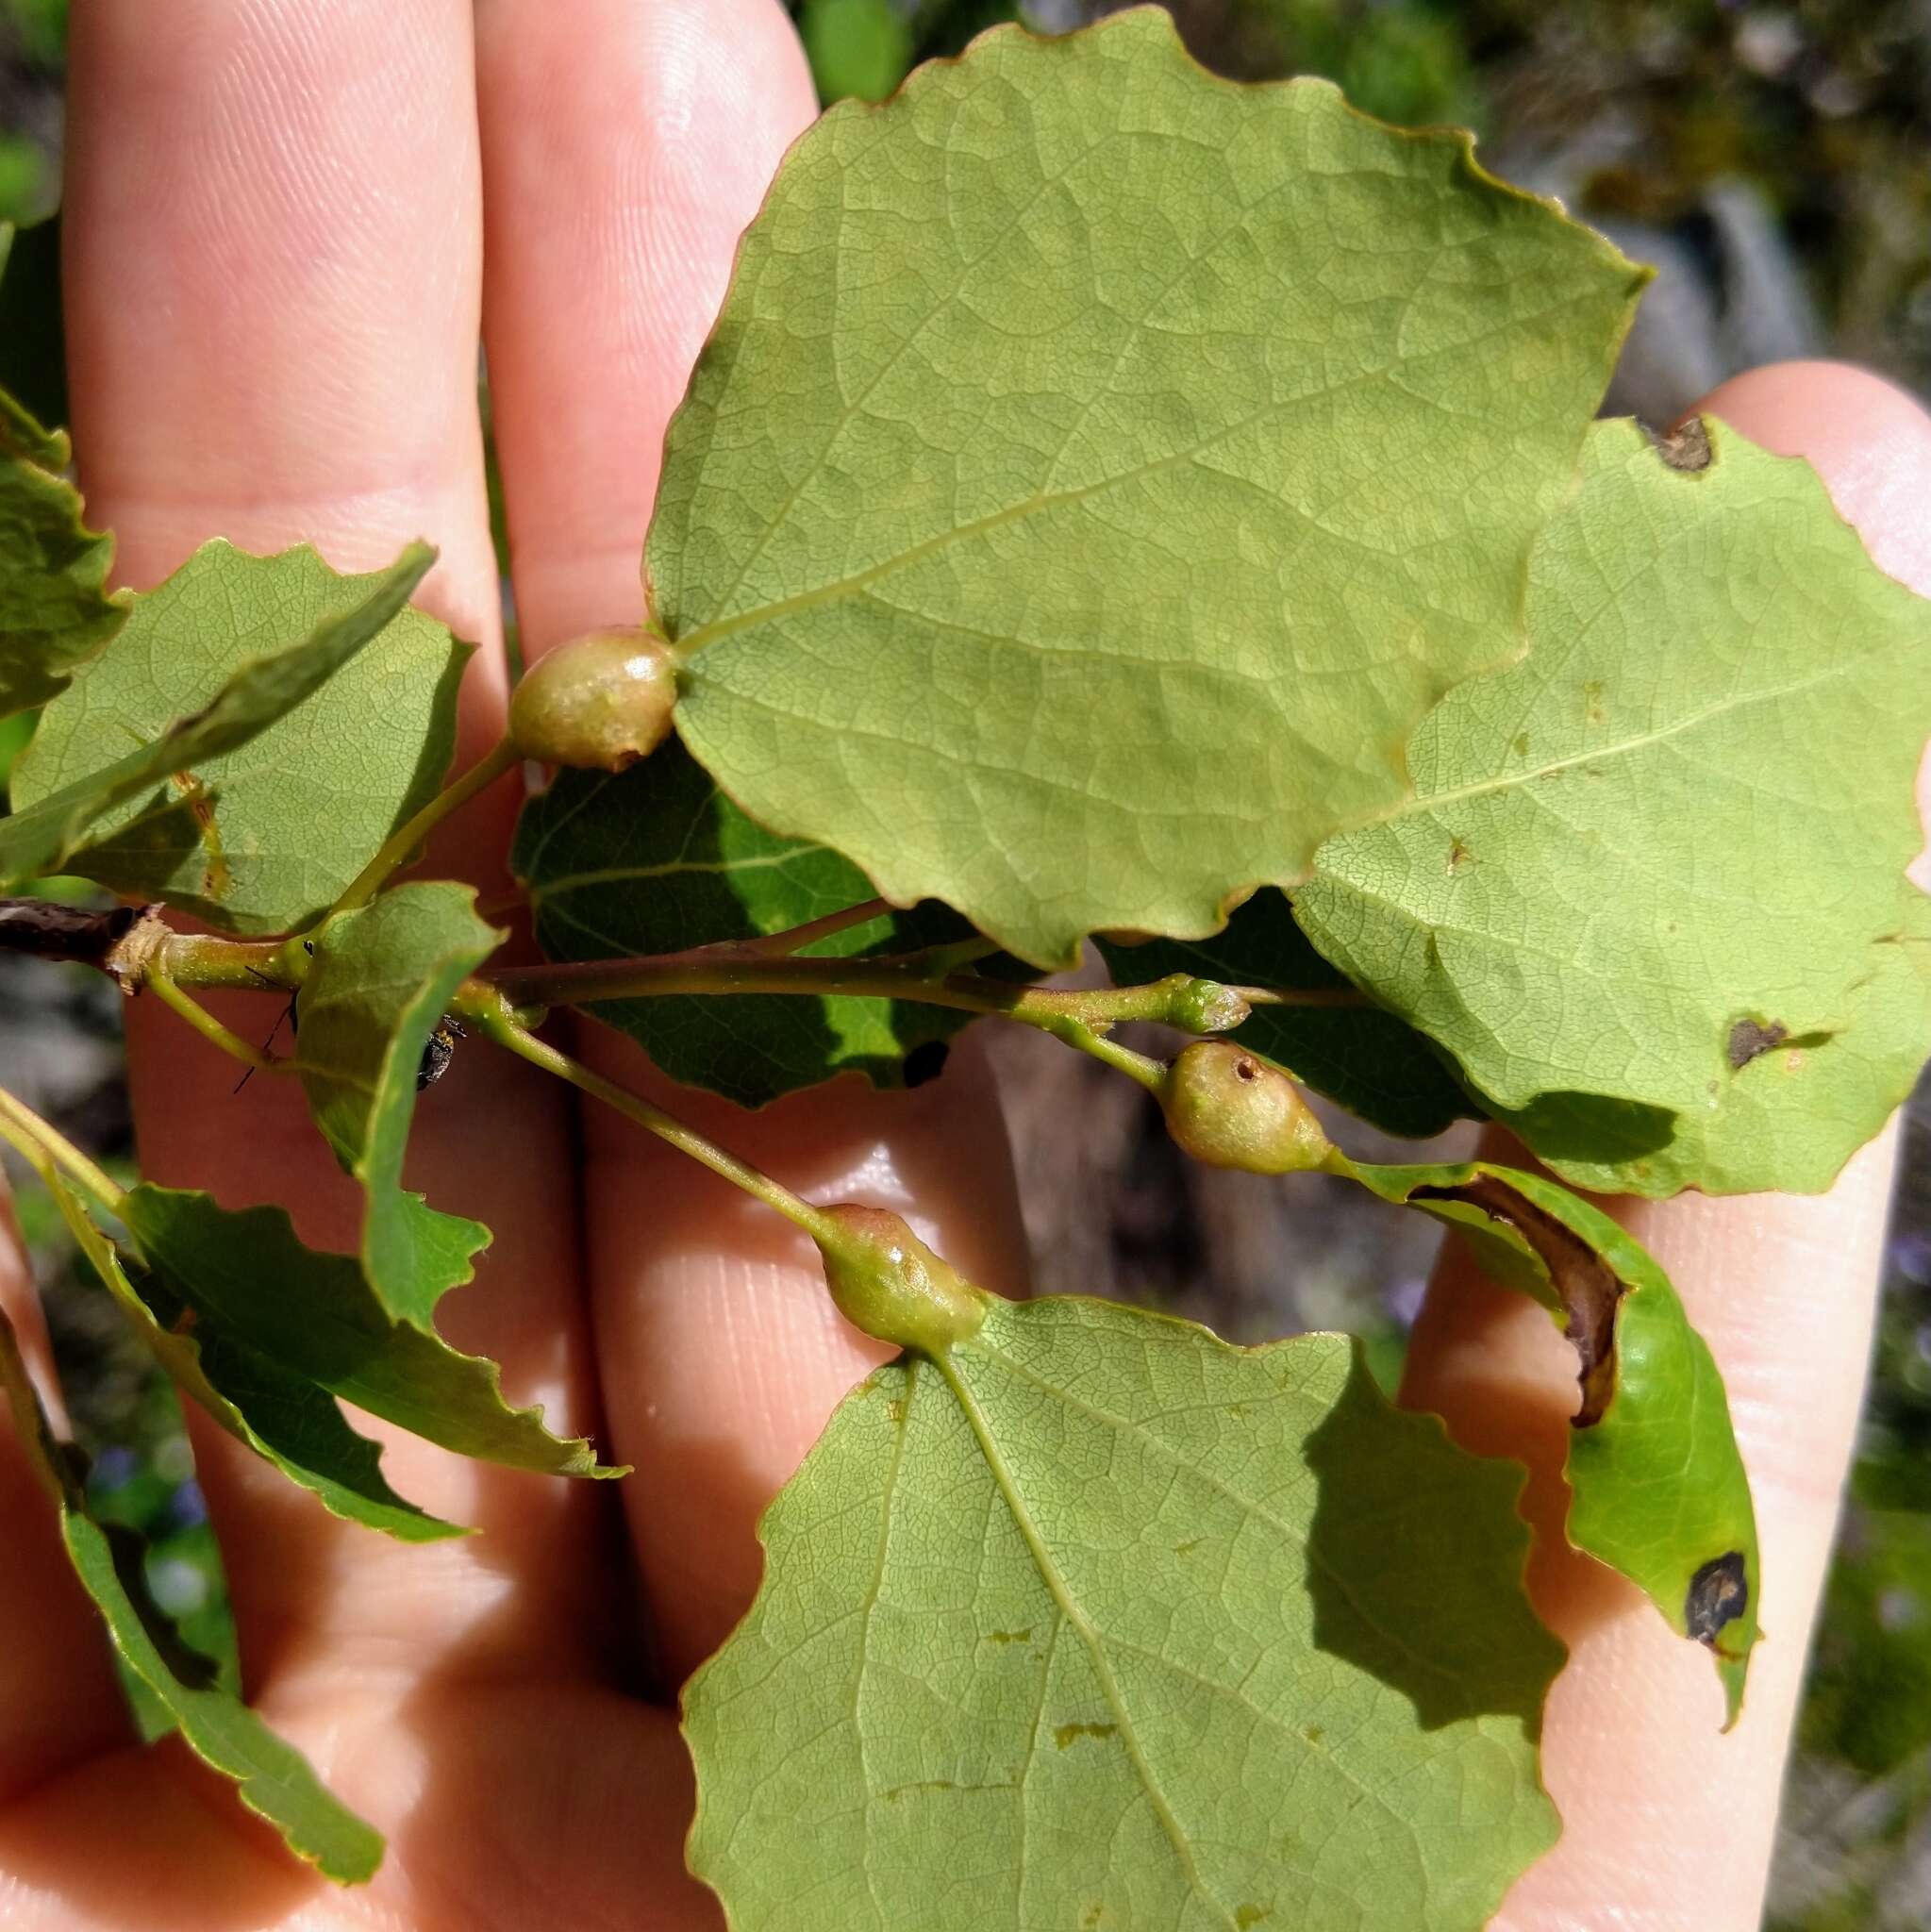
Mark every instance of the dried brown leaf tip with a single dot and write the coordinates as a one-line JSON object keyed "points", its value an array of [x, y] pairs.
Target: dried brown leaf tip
{"points": [[1718, 1594], [1589, 1287]]}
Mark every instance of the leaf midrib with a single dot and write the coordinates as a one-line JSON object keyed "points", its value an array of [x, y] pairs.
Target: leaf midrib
{"points": [[1071, 1611], [672, 868], [1247, 1504], [693, 642], [1629, 747]]}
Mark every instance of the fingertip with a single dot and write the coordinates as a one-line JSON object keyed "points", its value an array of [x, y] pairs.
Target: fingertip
{"points": [[624, 150], [1869, 439], [1871, 443]]}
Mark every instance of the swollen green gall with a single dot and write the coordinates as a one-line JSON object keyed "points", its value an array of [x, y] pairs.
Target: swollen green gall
{"points": [[1229, 1108], [888, 1282], [598, 703]]}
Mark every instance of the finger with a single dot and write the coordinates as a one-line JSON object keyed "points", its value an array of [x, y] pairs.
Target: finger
{"points": [[57, 1687], [722, 1354], [1667, 1823], [273, 255], [658, 127]]}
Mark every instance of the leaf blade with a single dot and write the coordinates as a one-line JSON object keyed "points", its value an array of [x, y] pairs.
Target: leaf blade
{"points": [[1651, 1443], [969, 1693], [325, 1324], [273, 1778], [286, 1419], [1001, 446], [658, 858], [56, 610], [1686, 812], [379, 981], [204, 672]]}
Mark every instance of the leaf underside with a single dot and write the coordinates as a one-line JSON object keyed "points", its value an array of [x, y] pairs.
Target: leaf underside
{"points": [[297, 758], [1651, 892], [275, 1780], [55, 609], [1104, 1623], [657, 859], [285, 1418], [379, 982], [314, 1316], [1069, 518], [1658, 1489]]}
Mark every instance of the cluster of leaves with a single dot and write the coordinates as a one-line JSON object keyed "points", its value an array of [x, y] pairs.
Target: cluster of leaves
{"points": [[1109, 502]]}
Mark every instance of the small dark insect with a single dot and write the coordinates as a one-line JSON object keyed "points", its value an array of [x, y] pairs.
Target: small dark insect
{"points": [[437, 1051], [288, 1014]]}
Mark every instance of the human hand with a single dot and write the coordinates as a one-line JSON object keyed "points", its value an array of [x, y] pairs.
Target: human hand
{"points": [[284, 226]]}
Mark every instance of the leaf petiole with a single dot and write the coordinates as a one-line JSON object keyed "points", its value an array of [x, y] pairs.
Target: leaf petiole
{"points": [[203, 1023], [1180, 1000], [42, 1145], [487, 1012], [779, 945], [397, 848]]}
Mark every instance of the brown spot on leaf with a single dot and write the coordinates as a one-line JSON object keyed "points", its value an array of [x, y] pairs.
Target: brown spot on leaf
{"points": [[1750, 1037], [1064, 1736], [1588, 1285], [1245, 1916], [1008, 1636], [215, 875], [1458, 855], [1686, 447], [923, 1784], [1593, 700], [1718, 1594]]}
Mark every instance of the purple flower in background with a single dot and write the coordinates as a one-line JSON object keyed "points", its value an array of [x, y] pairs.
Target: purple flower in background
{"points": [[1404, 1300], [188, 1507]]}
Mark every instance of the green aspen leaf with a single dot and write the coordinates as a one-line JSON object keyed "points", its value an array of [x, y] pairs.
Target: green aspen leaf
{"points": [[287, 1420], [1658, 1489], [1789, 1114], [378, 983], [314, 1316], [55, 609], [1072, 516], [299, 756], [273, 1778], [45, 824], [1651, 892], [1097, 1622], [657, 859], [1375, 1065]]}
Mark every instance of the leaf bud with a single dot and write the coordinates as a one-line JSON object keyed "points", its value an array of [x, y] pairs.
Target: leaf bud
{"points": [[1203, 1005], [888, 1283], [1229, 1108], [598, 703]]}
